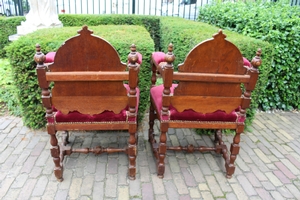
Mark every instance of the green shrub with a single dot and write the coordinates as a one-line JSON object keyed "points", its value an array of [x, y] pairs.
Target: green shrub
{"points": [[8, 90], [21, 52], [277, 23], [151, 23], [185, 34], [8, 27]]}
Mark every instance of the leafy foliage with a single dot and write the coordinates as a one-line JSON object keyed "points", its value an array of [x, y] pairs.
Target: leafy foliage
{"points": [[8, 92], [277, 23], [8, 27], [151, 23]]}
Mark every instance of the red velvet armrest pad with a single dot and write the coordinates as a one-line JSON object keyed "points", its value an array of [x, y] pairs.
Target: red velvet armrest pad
{"points": [[158, 57], [140, 58], [190, 115], [50, 57], [105, 116], [246, 62]]}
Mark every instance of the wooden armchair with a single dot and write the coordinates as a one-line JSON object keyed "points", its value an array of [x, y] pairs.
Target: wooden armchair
{"points": [[89, 94], [208, 96]]}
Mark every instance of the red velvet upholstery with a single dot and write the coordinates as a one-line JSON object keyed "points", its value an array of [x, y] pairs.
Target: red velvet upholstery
{"points": [[159, 57], [51, 55], [190, 115], [246, 62], [140, 58], [104, 116]]}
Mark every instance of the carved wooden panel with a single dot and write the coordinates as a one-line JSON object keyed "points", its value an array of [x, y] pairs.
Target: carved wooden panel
{"points": [[215, 56], [83, 91]]}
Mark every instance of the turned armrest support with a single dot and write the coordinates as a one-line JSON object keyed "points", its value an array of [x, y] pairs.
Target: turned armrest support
{"points": [[167, 75], [41, 70], [253, 72], [133, 68]]}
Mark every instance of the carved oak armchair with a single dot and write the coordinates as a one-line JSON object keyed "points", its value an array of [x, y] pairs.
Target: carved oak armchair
{"points": [[89, 94], [208, 96]]}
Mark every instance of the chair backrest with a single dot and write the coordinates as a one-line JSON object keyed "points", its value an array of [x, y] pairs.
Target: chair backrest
{"points": [[89, 76], [210, 78]]}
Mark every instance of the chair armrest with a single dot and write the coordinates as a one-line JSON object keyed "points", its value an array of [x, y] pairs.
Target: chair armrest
{"points": [[133, 68]]}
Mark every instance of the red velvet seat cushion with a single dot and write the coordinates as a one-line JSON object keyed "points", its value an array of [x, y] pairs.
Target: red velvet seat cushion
{"points": [[190, 115], [106, 116]]}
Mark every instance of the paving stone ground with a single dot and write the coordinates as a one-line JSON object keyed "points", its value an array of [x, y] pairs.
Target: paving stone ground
{"points": [[268, 166]]}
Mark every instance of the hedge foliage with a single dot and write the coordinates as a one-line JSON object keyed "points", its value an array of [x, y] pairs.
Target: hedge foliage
{"points": [[21, 52], [277, 23], [8, 90], [185, 34], [8, 27], [151, 23]]}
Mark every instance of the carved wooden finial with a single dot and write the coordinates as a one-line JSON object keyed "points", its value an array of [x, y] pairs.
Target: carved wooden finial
{"points": [[85, 30], [256, 61], [219, 35], [39, 57], [132, 57], [169, 57]]}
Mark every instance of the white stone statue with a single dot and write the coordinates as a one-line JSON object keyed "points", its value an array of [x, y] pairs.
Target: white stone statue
{"points": [[42, 14]]}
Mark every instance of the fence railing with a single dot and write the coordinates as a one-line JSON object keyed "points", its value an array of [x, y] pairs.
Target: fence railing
{"points": [[295, 2], [188, 9], [182, 8]]}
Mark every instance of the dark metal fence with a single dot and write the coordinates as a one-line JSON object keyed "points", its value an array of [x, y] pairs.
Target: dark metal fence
{"points": [[182, 8], [11, 7], [295, 2], [188, 9]]}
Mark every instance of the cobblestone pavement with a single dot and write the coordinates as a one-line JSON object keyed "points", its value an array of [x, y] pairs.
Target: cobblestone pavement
{"points": [[268, 166]]}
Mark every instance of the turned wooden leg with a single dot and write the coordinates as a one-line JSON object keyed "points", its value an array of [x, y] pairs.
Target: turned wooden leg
{"points": [[218, 133], [162, 148], [151, 124], [65, 138], [55, 153], [132, 151], [234, 151]]}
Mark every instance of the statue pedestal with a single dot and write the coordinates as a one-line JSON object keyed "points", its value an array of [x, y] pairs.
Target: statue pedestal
{"points": [[24, 29]]}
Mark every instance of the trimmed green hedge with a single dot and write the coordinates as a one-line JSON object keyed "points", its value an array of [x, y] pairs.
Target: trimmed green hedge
{"points": [[277, 23], [151, 23], [21, 52], [8, 27], [185, 34]]}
